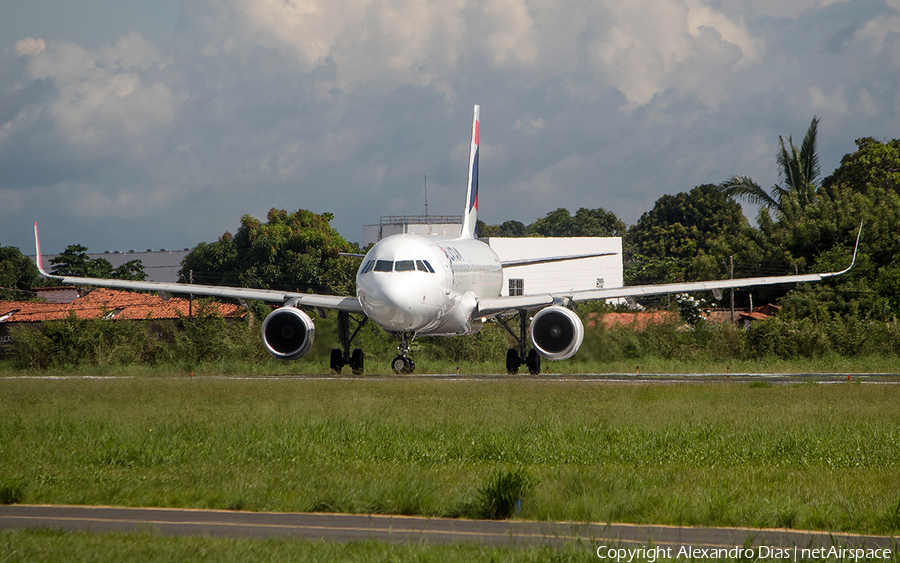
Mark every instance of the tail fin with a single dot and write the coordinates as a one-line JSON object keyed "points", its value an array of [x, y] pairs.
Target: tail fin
{"points": [[470, 217]]}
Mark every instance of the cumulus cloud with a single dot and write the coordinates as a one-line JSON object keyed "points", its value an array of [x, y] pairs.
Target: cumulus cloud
{"points": [[105, 99], [261, 103], [30, 46]]}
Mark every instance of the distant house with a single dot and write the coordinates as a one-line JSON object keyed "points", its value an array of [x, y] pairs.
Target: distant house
{"points": [[103, 303], [60, 294], [743, 317]]}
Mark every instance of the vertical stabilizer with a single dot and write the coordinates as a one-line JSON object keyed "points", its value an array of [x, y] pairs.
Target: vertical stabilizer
{"points": [[470, 217]]}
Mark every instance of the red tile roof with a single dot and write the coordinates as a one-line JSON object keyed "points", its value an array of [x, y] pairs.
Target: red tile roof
{"points": [[639, 321], [101, 302]]}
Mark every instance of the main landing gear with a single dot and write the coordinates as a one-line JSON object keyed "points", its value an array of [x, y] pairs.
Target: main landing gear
{"points": [[343, 356], [402, 364], [516, 357]]}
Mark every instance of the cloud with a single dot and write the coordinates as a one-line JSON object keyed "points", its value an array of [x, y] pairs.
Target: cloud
{"points": [[345, 106], [106, 100], [30, 46], [687, 45]]}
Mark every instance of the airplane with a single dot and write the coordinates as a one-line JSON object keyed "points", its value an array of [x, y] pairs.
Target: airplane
{"points": [[423, 285]]}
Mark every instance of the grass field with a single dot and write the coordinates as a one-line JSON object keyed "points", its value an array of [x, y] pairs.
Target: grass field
{"points": [[59, 547], [801, 456]]}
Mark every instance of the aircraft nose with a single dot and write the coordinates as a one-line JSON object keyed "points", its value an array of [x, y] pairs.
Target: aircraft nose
{"points": [[398, 306]]}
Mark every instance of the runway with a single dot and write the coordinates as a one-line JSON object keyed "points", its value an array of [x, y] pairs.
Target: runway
{"points": [[355, 527]]}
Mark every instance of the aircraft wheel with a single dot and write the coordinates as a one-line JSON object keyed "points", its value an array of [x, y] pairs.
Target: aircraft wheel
{"points": [[403, 365], [337, 361], [533, 361], [357, 361], [512, 361]]}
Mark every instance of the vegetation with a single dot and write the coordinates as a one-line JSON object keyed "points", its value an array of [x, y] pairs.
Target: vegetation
{"points": [[560, 223], [296, 251], [799, 170], [212, 345], [76, 262], [18, 275], [802, 456], [687, 237], [145, 547]]}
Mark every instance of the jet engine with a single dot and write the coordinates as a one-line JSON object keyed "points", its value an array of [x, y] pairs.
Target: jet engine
{"points": [[288, 333], [556, 332]]}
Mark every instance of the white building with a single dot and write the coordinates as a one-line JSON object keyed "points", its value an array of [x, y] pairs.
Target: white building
{"points": [[570, 275]]}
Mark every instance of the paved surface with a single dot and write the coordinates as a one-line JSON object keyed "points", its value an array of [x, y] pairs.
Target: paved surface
{"points": [[346, 527]]}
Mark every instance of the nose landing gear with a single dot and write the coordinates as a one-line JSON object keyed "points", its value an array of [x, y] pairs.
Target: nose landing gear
{"points": [[402, 364]]}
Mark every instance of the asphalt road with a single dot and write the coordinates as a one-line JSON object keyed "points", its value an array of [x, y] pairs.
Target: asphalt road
{"points": [[347, 527]]}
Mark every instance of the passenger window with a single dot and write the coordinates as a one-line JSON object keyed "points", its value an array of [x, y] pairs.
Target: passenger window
{"points": [[427, 265], [384, 266], [404, 266]]}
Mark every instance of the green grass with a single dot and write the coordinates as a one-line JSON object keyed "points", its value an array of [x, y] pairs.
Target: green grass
{"points": [[60, 547], [426, 365], [804, 456]]}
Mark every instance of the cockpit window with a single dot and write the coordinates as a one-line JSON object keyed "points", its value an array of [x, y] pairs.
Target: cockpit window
{"points": [[398, 266]]}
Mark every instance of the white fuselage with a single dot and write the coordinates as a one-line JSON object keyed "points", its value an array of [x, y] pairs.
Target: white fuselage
{"points": [[426, 284]]}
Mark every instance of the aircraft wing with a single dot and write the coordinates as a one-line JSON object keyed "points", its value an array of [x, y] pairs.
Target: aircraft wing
{"points": [[492, 306], [498, 305], [334, 302]]}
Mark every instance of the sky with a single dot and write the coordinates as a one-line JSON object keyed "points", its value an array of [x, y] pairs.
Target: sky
{"points": [[134, 125]]}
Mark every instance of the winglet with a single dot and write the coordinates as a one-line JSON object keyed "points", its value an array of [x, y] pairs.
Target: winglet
{"points": [[38, 260], [853, 260], [37, 252], [470, 217]]}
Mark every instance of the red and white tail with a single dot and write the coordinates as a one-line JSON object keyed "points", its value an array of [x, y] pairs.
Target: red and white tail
{"points": [[470, 217]]}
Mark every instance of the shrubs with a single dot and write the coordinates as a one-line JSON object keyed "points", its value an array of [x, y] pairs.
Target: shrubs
{"points": [[100, 343], [208, 338], [775, 337], [499, 499]]}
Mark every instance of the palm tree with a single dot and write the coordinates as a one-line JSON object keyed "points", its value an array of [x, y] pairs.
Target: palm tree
{"points": [[799, 169]]}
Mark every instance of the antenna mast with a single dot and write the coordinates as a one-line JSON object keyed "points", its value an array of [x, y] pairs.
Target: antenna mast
{"points": [[426, 195]]}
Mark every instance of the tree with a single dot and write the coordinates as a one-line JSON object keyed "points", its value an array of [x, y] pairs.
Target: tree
{"points": [[799, 170], [820, 237], [693, 233], [586, 223], [76, 262], [296, 251], [506, 229], [874, 165], [17, 274]]}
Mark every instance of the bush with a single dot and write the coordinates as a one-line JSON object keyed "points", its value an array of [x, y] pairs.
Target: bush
{"points": [[500, 499], [99, 342]]}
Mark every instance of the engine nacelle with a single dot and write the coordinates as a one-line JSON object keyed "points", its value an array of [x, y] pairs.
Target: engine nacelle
{"points": [[556, 332], [288, 333]]}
